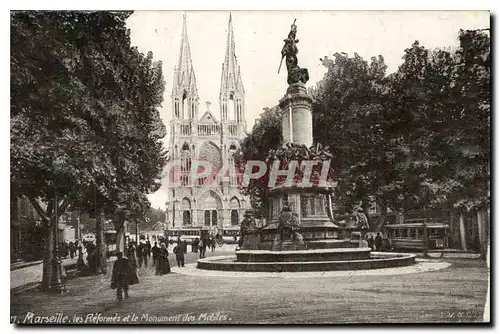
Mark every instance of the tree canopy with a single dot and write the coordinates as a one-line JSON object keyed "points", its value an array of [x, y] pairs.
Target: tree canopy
{"points": [[84, 110], [416, 138], [85, 123]]}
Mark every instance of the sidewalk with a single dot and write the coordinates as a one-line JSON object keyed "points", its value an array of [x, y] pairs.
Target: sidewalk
{"points": [[31, 273], [451, 253], [23, 264]]}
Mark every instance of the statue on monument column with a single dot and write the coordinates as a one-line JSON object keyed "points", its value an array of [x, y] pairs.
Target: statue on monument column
{"points": [[289, 51]]}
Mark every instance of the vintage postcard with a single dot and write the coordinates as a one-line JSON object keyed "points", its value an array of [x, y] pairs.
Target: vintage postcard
{"points": [[250, 167]]}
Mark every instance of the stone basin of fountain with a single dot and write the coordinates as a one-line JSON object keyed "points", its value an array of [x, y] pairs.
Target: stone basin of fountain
{"points": [[336, 254], [306, 260]]}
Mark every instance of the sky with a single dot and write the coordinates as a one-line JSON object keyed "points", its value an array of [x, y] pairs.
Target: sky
{"points": [[259, 38]]}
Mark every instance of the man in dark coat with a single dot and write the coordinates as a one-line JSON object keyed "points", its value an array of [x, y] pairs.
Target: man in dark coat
{"points": [[71, 248], [143, 254], [212, 243], [155, 250], [203, 247], [195, 245], [179, 255], [378, 242], [120, 276], [148, 249], [371, 242]]}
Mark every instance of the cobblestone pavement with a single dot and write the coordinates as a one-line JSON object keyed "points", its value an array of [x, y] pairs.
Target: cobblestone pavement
{"points": [[454, 294]]}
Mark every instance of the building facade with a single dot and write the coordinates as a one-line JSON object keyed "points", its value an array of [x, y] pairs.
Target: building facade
{"points": [[27, 232], [214, 202]]}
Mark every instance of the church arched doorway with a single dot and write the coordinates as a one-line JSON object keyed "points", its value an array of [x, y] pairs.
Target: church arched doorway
{"points": [[211, 207]]}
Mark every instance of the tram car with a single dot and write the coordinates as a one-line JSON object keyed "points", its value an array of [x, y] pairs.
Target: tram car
{"points": [[230, 235], [410, 236], [110, 237], [184, 234]]}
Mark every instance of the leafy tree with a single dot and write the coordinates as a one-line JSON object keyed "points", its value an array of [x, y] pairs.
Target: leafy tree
{"points": [[350, 115], [265, 136], [416, 139], [84, 118]]}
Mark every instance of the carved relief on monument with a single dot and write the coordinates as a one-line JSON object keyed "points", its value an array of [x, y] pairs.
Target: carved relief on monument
{"points": [[275, 208], [312, 205]]}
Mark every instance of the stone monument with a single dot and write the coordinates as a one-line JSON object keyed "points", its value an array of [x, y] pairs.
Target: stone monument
{"points": [[301, 234], [301, 216]]}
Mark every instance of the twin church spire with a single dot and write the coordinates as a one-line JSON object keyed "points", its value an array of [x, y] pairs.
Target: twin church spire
{"points": [[232, 93], [185, 93]]}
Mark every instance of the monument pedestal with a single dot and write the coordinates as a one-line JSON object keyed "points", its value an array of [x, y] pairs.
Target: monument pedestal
{"points": [[297, 116], [251, 241]]}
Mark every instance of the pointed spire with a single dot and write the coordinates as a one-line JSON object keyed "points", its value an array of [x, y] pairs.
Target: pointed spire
{"points": [[185, 54], [184, 72], [230, 69]]}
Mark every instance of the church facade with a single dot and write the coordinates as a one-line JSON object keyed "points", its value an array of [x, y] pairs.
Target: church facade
{"points": [[213, 202]]}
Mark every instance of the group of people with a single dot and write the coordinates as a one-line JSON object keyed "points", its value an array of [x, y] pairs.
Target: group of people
{"points": [[139, 255], [375, 243], [206, 241], [125, 268], [68, 249]]}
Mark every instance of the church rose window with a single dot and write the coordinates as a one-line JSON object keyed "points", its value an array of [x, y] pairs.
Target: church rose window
{"points": [[211, 153]]}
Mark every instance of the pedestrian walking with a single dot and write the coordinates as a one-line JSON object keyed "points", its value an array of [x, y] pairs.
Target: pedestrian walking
{"points": [[145, 254], [122, 276], [163, 265], [71, 247], [371, 242], [203, 248], [179, 255], [140, 252], [132, 256], [148, 249], [195, 245], [155, 250], [378, 242], [212, 244]]}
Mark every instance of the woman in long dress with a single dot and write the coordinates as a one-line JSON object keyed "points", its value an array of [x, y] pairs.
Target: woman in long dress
{"points": [[132, 257], [163, 265]]}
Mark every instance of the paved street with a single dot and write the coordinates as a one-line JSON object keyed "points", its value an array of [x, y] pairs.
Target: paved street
{"points": [[454, 294], [32, 274]]}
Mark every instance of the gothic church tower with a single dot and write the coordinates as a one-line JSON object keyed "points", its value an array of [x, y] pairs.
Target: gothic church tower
{"points": [[213, 202]]}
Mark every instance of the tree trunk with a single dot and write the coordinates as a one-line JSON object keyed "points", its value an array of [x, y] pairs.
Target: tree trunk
{"points": [[49, 221], [48, 257], [75, 222], [481, 229], [120, 235], [101, 263], [462, 232], [382, 218]]}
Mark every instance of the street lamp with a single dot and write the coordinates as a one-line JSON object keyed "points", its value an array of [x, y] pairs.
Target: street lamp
{"points": [[57, 284], [426, 236]]}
